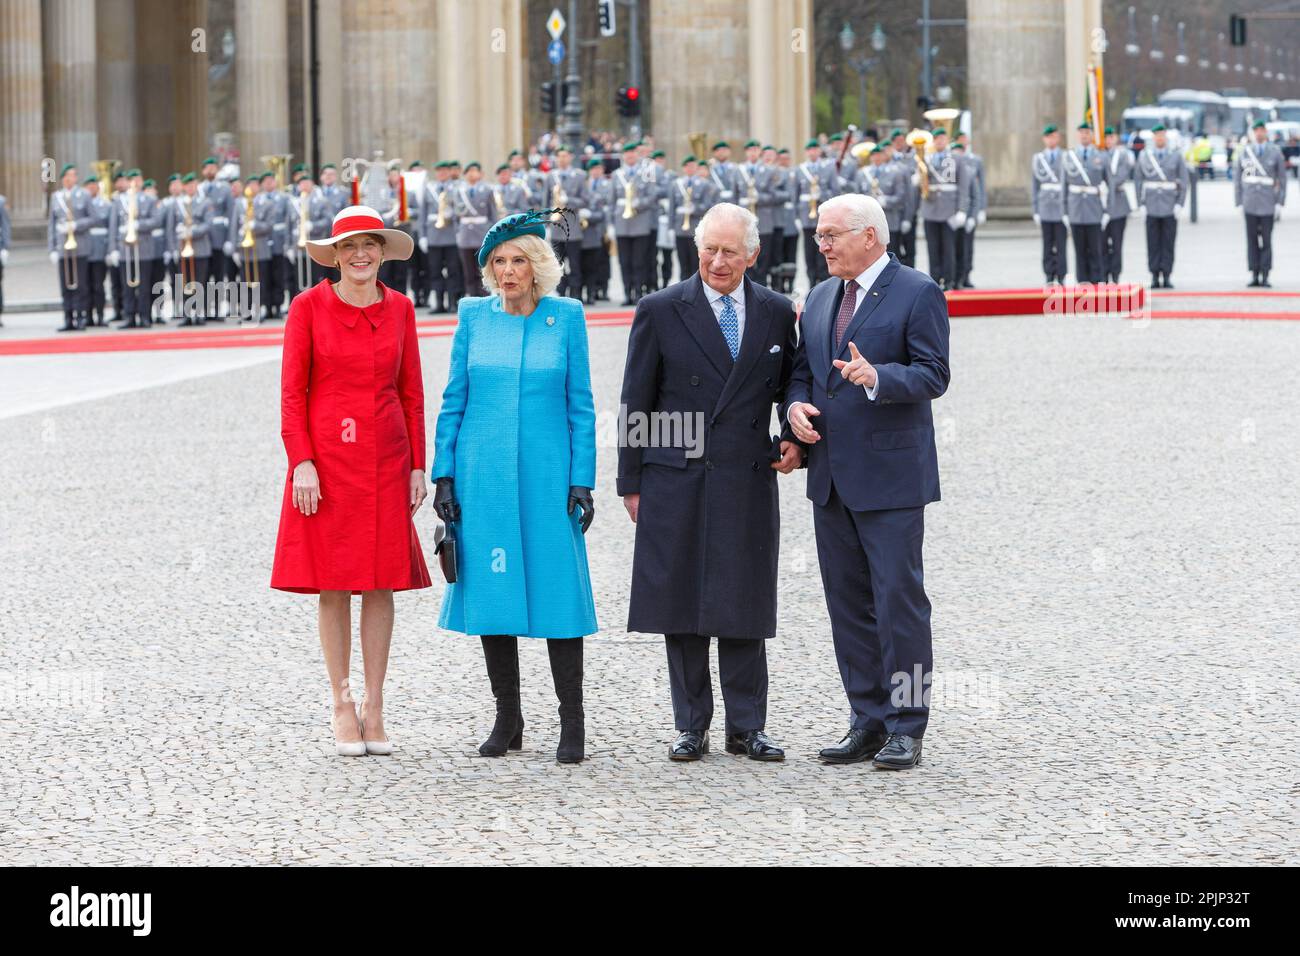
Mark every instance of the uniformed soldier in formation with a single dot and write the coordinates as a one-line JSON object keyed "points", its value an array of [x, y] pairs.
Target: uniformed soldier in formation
{"points": [[511, 194], [785, 237], [5, 239], [1259, 188], [890, 185], [418, 267], [594, 220], [396, 273], [1047, 199], [255, 263], [136, 210], [818, 181], [1121, 199], [276, 284], [634, 218], [216, 192], [690, 197], [1162, 184], [120, 182], [901, 155], [533, 180], [944, 209], [191, 220], [662, 276], [70, 216], [101, 210], [438, 239], [1085, 177], [723, 171], [979, 204], [566, 187], [312, 205], [476, 211]]}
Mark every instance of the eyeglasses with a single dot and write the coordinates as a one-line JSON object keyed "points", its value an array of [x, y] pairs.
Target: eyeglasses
{"points": [[829, 239]]}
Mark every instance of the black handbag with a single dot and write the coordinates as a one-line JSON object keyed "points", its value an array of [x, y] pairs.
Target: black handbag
{"points": [[444, 546]]}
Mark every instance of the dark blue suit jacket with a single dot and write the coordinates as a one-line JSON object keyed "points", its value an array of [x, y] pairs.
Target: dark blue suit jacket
{"points": [[880, 454]]}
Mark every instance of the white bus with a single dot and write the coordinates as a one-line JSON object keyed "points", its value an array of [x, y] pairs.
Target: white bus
{"points": [[1210, 112]]}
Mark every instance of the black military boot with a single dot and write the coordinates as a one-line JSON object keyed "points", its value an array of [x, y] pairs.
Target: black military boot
{"points": [[501, 651], [566, 669], [1263, 280], [69, 324]]}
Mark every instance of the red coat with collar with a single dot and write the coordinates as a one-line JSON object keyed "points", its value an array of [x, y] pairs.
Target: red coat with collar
{"points": [[351, 400]]}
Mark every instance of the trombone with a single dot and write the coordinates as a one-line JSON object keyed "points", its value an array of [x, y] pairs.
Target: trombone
{"points": [[303, 263], [187, 249], [70, 246], [131, 261]]}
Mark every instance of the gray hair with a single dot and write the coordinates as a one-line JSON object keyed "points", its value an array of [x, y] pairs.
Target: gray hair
{"points": [[860, 212], [727, 211]]}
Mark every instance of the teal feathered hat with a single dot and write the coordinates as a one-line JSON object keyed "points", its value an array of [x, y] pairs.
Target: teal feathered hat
{"points": [[531, 223]]}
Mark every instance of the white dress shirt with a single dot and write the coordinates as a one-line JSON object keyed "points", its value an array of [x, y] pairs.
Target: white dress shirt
{"points": [[738, 300], [865, 281]]}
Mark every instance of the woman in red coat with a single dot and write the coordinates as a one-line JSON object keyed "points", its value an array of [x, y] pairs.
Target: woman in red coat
{"points": [[352, 418]]}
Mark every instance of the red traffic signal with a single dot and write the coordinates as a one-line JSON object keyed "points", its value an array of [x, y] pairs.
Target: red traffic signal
{"points": [[628, 101], [633, 94]]}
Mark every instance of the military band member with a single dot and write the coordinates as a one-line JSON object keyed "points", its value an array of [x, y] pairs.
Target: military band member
{"points": [[785, 236], [220, 202], [168, 207], [396, 273], [1259, 188], [944, 209], [664, 240], [1121, 199], [191, 219], [901, 155], [818, 181], [975, 218], [475, 208], [594, 221], [255, 263], [120, 183], [690, 196], [309, 203], [438, 239], [70, 216], [1085, 177], [723, 171], [418, 268], [566, 186], [5, 239], [1047, 200], [136, 209], [1162, 185], [101, 211], [275, 280], [888, 184], [634, 215]]}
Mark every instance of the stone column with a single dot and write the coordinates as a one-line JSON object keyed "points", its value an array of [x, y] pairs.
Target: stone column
{"points": [[191, 141], [780, 72], [68, 39], [329, 51], [115, 69], [1017, 84], [22, 140], [686, 38], [481, 74], [262, 62]]}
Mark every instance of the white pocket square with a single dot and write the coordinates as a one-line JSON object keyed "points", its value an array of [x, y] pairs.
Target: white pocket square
{"points": [[773, 350]]}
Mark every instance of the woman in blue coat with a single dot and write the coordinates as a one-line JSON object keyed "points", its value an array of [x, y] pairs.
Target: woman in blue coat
{"points": [[514, 465]]}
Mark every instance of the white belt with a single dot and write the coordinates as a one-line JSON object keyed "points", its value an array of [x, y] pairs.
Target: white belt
{"points": [[280, 225], [1090, 190], [943, 187], [1159, 185], [473, 220], [220, 221], [98, 231], [1262, 180], [1054, 187], [155, 232]]}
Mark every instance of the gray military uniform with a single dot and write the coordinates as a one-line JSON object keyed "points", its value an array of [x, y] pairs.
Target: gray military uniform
{"points": [[949, 187], [1162, 185], [1047, 200], [475, 212], [645, 202], [1259, 187]]}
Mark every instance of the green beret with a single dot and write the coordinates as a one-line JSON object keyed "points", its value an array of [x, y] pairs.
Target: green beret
{"points": [[721, 144], [564, 148], [657, 153], [836, 137], [1158, 128], [148, 183], [266, 174], [783, 152], [173, 177], [1049, 129], [813, 143], [513, 153], [938, 131], [531, 223], [188, 178], [210, 161], [92, 181], [897, 132], [752, 142], [119, 175], [473, 164], [416, 165], [453, 162], [66, 166], [132, 173], [690, 158], [1258, 123], [328, 166], [1084, 126], [961, 146], [503, 166], [767, 146], [630, 145], [300, 168], [595, 161], [1108, 131]]}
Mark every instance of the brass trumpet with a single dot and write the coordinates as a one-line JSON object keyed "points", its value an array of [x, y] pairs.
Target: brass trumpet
{"points": [[814, 194], [131, 261], [187, 249], [441, 221], [687, 209], [249, 243], [70, 246], [629, 193], [558, 199]]}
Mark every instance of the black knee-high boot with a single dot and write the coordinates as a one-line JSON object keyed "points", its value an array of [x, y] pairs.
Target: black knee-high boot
{"points": [[566, 669], [501, 652]]}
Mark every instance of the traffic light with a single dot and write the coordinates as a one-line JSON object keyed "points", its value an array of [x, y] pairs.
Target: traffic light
{"points": [[628, 101], [548, 97], [1237, 29]]}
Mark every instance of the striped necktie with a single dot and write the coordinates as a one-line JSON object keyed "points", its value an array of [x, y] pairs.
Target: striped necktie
{"points": [[845, 315]]}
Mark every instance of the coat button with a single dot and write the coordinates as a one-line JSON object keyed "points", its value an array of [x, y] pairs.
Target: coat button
{"points": [[769, 383], [695, 380], [708, 465], [753, 423], [754, 465], [830, 394]]}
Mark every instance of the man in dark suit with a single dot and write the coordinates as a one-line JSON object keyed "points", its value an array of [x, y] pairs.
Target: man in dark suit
{"points": [[873, 354], [707, 359]]}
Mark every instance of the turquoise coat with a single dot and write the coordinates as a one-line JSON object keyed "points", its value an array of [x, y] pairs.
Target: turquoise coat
{"points": [[517, 428]]}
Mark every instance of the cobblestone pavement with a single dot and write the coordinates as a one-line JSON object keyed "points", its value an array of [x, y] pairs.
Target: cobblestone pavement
{"points": [[1112, 570]]}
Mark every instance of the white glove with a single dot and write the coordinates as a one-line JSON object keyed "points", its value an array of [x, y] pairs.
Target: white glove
{"points": [[227, 247], [288, 253], [1277, 212], [424, 243], [113, 259], [239, 260], [1038, 220], [4, 256], [61, 227], [1065, 221], [167, 258], [907, 226], [1180, 212], [958, 219], [981, 217], [971, 223], [583, 214], [1139, 211], [1130, 193], [1105, 220], [54, 258]]}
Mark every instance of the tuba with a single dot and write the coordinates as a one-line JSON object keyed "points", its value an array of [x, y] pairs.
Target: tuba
{"points": [[278, 164], [922, 144], [699, 144]]}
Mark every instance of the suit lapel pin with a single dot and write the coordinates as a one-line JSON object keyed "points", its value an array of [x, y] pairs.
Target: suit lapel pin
{"points": [[550, 320]]}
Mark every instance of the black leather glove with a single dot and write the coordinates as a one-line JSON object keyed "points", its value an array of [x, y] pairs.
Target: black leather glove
{"points": [[580, 497], [445, 505]]}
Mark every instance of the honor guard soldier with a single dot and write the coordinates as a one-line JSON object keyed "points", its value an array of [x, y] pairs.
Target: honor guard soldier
{"points": [[785, 237], [276, 284], [1162, 185], [136, 250], [438, 239], [634, 215], [1047, 200], [650, 173], [944, 209], [1121, 199], [979, 205], [101, 210], [889, 185], [339, 198], [770, 193], [216, 193], [566, 186], [69, 241], [5, 239], [1085, 174], [255, 262], [1260, 190], [168, 206], [818, 181], [594, 221], [475, 209], [689, 198], [190, 242], [533, 180]]}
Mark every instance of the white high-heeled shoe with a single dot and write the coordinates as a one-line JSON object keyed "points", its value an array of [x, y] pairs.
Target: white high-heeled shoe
{"points": [[347, 748], [379, 748]]}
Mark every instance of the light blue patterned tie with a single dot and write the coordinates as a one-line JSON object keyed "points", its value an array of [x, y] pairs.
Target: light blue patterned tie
{"points": [[730, 326]]}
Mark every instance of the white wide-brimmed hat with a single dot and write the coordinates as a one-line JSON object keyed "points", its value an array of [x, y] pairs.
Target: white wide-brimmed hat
{"points": [[354, 221]]}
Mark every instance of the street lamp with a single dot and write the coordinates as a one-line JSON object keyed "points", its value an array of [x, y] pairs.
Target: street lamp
{"points": [[1181, 57], [1156, 52], [862, 64], [1223, 63], [1268, 62], [1204, 61], [1131, 47]]}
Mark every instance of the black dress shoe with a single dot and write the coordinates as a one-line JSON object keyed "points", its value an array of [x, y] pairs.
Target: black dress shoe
{"points": [[1254, 281], [689, 745], [900, 752], [755, 744], [1263, 281], [859, 744]]}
